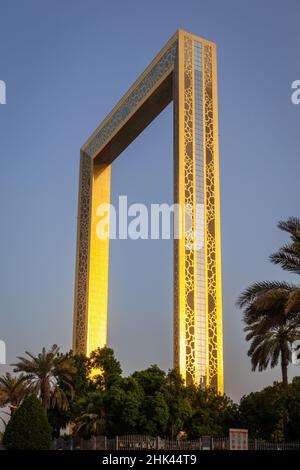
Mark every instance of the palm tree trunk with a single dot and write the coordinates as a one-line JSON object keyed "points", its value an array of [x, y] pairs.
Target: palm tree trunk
{"points": [[284, 365], [284, 372], [44, 394]]}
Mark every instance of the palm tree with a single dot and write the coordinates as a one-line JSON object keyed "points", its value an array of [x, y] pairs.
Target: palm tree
{"points": [[13, 389], [288, 257], [272, 309], [90, 424], [270, 325], [45, 373], [272, 312], [93, 420]]}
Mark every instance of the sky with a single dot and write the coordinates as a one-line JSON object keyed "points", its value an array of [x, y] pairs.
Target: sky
{"points": [[66, 64]]}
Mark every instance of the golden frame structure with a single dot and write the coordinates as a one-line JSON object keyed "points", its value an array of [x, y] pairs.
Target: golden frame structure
{"points": [[185, 71]]}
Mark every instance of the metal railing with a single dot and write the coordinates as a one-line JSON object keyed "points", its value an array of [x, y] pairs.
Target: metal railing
{"points": [[141, 442]]}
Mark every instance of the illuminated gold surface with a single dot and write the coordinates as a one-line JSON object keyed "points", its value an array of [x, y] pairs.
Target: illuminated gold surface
{"points": [[179, 282], [98, 264], [220, 371], [175, 79], [212, 215]]}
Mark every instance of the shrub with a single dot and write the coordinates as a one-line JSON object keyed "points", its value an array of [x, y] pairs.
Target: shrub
{"points": [[28, 428]]}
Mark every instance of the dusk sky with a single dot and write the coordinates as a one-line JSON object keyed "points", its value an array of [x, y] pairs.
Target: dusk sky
{"points": [[66, 64]]}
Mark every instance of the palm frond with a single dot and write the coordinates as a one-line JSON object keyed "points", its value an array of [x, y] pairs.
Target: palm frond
{"points": [[291, 226], [259, 288], [288, 256], [288, 262], [293, 302], [45, 371]]}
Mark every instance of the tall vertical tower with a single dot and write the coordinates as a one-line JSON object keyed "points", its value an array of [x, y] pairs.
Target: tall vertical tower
{"points": [[184, 71]]}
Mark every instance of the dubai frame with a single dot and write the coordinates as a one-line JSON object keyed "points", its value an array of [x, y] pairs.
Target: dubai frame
{"points": [[185, 72]]}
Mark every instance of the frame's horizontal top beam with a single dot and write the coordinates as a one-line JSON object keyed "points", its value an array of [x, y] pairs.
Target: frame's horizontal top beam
{"points": [[162, 65], [138, 121], [140, 92]]}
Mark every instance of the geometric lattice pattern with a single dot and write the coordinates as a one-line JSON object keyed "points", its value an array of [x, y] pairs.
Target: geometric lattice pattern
{"points": [[154, 75], [82, 259], [189, 211], [185, 72], [210, 217], [213, 315]]}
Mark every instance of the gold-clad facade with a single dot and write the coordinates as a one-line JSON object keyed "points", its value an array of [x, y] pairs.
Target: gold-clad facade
{"points": [[185, 72]]}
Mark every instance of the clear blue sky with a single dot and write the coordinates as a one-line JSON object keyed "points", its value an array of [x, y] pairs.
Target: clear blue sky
{"points": [[66, 64]]}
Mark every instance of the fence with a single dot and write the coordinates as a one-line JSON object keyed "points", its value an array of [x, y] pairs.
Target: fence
{"points": [[255, 444], [138, 442]]}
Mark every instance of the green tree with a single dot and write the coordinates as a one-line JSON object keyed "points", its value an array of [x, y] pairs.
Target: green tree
{"points": [[288, 256], [45, 372], [82, 385], [150, 379], [111, 411], [272, 312], [92, 419], [262, 413], [293, 410], [177, 398], [123, 403], [154, 411], [272, 309], [105, 368], [102, 401], [28, 428], [269, 326], [212, 413], [13, 389], [154, 415]]}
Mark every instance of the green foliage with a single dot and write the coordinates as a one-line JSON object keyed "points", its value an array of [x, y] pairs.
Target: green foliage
{"points": [[124, 406], [293, 410], [288, 257], [262, 413], [178, 400], [159, 404], [43, 373], [82, 385], [28, 428], [13, 389], [150, 379], [212, 414], [272, 309], [81, 379], [106, 369], [272, 323], [150, 402], [91, 419], [269, 327], [155, 415]]}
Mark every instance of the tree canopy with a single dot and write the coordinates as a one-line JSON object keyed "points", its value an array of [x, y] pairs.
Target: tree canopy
{"points": [[28, 428]]}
